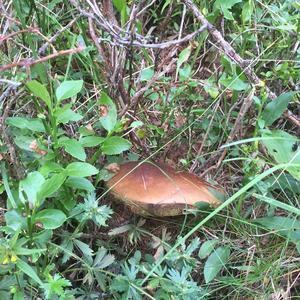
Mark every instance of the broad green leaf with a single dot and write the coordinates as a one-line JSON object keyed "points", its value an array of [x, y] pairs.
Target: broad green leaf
{"points": [[119, 4], [281, 225], [30, 186], [247, 11], [65, 115], [115, 145], [24, 142], [24, 123], [74, 148], [50, 186], [79, 169], [26, 251], [50, 167], [146, 74], [211, 89], [183, 57], [91, 141], [207, 247], [68, 89], [215, 262], [284, 226], [286, 149], [80, 183], [39, 91], [235, 84], [108, 112], [29, 271], [50, 218], [15, 220], [225, 7], [275, 108]]}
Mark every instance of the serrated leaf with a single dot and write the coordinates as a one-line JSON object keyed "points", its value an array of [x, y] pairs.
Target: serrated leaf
{"points": [[74, 148], [275, 108], [115, 145], [50, 218], [68, 89], [84, 248], [40, 91], [29, 271], [215, 262], [108, 118], [79, 169]]}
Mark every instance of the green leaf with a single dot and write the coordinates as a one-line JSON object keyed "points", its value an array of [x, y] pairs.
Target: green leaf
{"points": [[247, 11], [50, 186], [74, 148], [215, 262], [39, 91], [26, 251], [102, 259], [79, 169], [146, 74], [84, 248], [68, 89], [284, 148], [108, 110], [24, 123], [235, 84], [207, 247], [29, 271], [115, 145], [225, 7], [15, 220], [80, 183], [91, 141], [65, 115], [275, 108], [50, 218], [31, 185], [183, 57]]}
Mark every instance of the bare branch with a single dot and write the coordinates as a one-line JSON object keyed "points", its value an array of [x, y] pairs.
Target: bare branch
{"points": [[231, 53], [30, 61]]}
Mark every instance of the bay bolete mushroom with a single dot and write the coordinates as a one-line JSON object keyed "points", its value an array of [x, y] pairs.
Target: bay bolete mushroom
{"points": [[159, 190]]}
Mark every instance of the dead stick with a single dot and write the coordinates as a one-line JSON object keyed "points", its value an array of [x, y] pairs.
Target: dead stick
{"points": [[231, 53], [30, 62]]}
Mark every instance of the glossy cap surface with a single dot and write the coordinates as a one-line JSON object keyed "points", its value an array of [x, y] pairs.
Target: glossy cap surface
{"points": [[159, 190]]}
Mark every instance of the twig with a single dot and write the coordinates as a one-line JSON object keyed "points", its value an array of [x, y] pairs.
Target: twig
{"points": [[231, 53], [17, 167], [30, 61], [43, 48]]}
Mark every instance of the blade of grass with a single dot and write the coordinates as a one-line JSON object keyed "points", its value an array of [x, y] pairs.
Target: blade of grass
{"points": [[279, 204], [6, 186], [217, 210]]}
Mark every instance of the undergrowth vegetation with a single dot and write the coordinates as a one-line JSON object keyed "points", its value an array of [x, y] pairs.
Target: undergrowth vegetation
{"points": [[85, 84]]}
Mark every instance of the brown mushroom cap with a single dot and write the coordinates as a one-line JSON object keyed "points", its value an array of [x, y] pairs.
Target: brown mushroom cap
{"points": [[159, 190]]}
